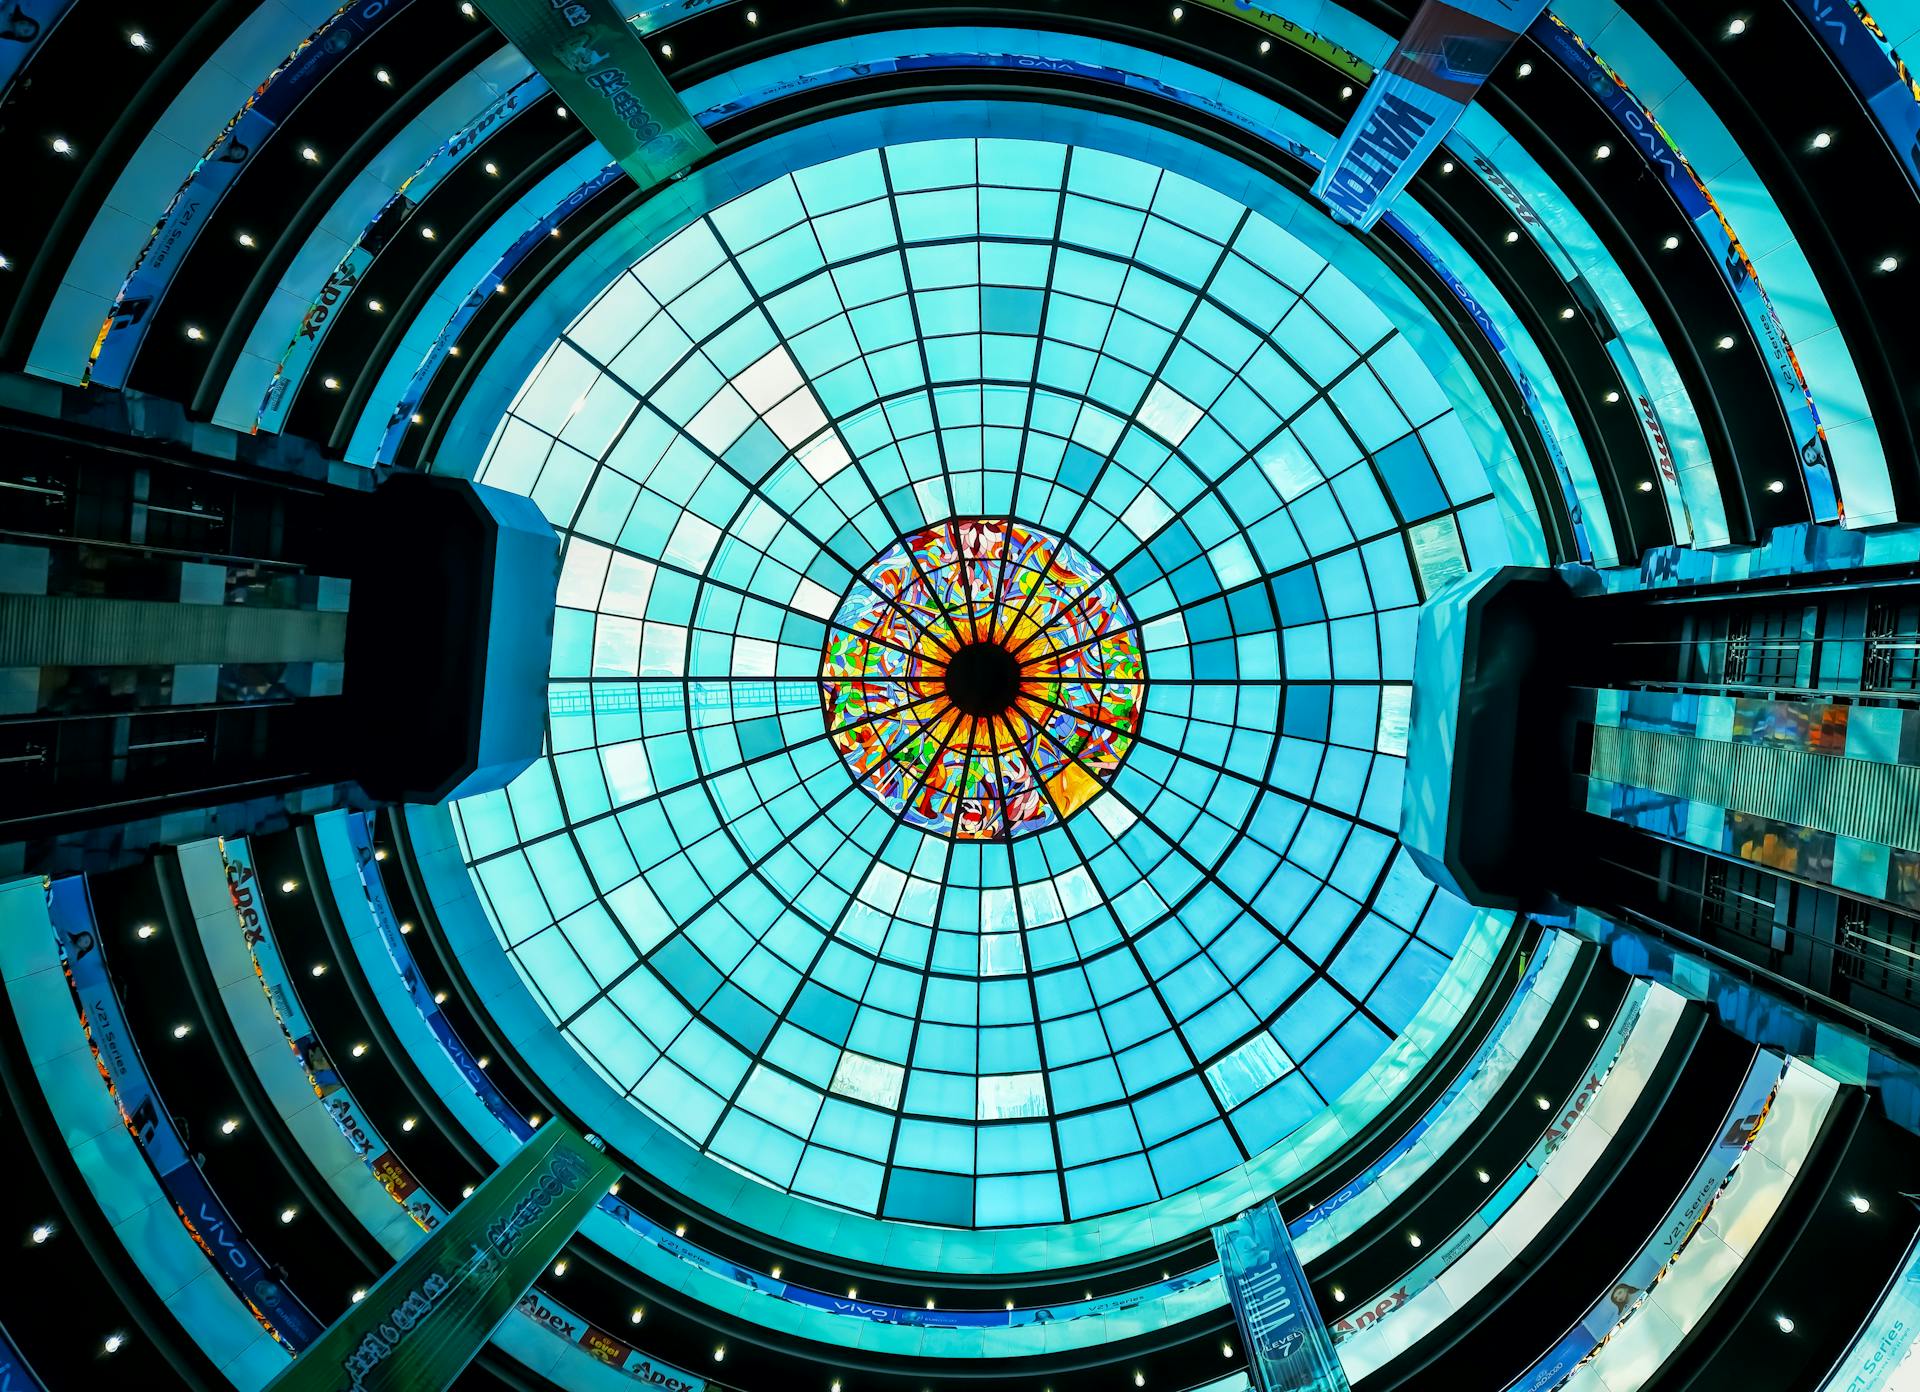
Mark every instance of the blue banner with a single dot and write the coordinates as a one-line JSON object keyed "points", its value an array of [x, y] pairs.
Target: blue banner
{"points": [[16, 1375], [24, 26], [1638, 126], [1432, 75], [279, 1311], [1287, 1345]]}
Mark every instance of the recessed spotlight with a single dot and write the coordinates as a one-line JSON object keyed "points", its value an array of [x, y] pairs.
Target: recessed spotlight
{"points": [[427, 232], [484, 1061], [318, 969], [138, 40], [1822, 140], [195, 332], [1339, 1296], [229, 1126], [1345, 93], [535, 1119], [491, 167], [1646, 485], [1860, 1203], [1593, 1022], [561, 112], [1602, 151], [246, 240], [409, 1123], [406, 926], [1736, 27], [666, 50], [853, 1292], [637, 1315], [1567, 313], [417, 418], [331, 383], [501, 288], [453, 350], [1413, 1239], [1784, 1323], [60, 145], [554, 233], [1482, 1176], [41, 1233], [113, 1342], [1889, 263], [439, 997], [1525, 70], [309, 154], [466, 8], [776, 1270], [719, 1353], [560, 1267], [357, 1297], [1266, 45], [1179, 13], [1139, 1378], [145, 930], [5, 265], [383, 77], [288, 886], [466, 1191], [1670, 244], [1776, 486], [287, 1215], [181, 1031], [1512, 237], [378, 308], [1544, 1104], [1724, 342], [753, 16], [1612, 398], [1447, 167], [680, 1230], [359, 1050]]}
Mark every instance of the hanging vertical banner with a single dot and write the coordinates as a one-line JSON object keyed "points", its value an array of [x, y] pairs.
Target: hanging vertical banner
{"points": [[603, 72], [433, 1312], [1434, 72], [1288, 1348]]}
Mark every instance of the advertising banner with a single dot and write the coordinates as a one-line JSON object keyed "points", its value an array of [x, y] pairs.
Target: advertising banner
{"points": [[1434, 72], [428, 1317], [1887, 1345], [392, 217], [606, 76], [192, 207], [1287, 1346], [563, 1323], [1639, 126], [207, 1221], [15, 1374], [1295, 35]]}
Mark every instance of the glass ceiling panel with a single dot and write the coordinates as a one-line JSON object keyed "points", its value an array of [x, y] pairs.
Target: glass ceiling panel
{"points": [[980, 682]]}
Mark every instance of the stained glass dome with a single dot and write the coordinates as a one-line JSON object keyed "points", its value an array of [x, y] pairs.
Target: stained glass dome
{"points": [[980, 682]]}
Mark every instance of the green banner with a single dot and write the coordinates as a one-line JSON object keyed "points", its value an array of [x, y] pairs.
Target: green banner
{"points": [[1298, 35], [432, 1313], [604, 74]]}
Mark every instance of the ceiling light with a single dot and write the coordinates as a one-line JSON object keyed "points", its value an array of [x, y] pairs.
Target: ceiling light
{"points": [[287, 1215], [1822, 140], [554, 233], [666, 50], [561, 112], [145, 930], [1646, 485], [1602, 151], [377, 308], [453, 350], [5, 265], [1339, 1295], [501, 288], [1482, 1176], [1736, 27], [1612, 397], [331, 384], [1543, 1104], [1179, 13], [1447, 168], [357, 1297], [1724, 342], [60, 145], [1226, 1349], [182, 1031], [229, 1126], [614, 1188], [853, 1292], [41, 1233], [1345, 92], [466, 8], [1139, 1378], [1567, 313], [753, 16], [359, 1050], [1784, 1322], [1525, 70], [427, 232], [439, 997], [1593, 1022], [383, 77], [113, 1342], [406, 926], [1889, 263], [680, 1230], [195, 333], [776, 1270], [1413, 1239], [484, 1061], [409, 1123], [319, 969], [288, 886], [1671, 244], [719, 1352], [309, 154], [535, 1119], [1776, 486], [246, 239], [1512, 237], [929, 1302], [137, 39], [1266, 45], [560, 1267], [491, 167], [637, 1315], [466, 1192]]}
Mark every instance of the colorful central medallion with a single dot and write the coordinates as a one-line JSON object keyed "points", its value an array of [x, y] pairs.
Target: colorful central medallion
{"points": [[983, 679]]}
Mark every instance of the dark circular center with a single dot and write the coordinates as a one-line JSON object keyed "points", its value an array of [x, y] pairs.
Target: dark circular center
{"points": [[983, 679]]}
